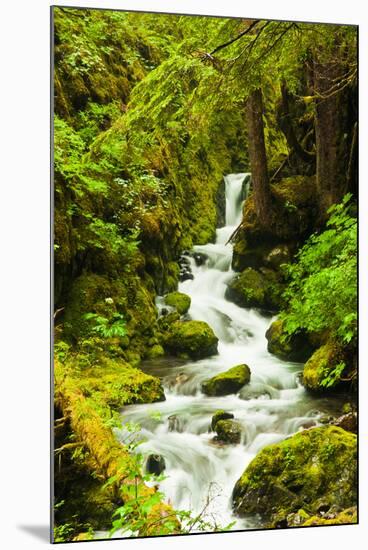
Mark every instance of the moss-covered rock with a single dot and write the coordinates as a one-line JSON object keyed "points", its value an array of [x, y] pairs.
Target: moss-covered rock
{"points": [[117, 383], [178, 300], [264, 254], [165, 321], [220, 415], [314, 468], [155, 351], [346, 517], [227, 382], [348, 422], [261, 289], [332, 517], [194, 339], [229, 431], [325, 369], [294, 201], [245, 256], [291, 348]]}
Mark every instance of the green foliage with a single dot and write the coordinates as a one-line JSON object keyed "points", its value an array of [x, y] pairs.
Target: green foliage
{"points": [[332, 377], [95, 119], [325, 273], [107, 328], [61, 350], [63, 533]]}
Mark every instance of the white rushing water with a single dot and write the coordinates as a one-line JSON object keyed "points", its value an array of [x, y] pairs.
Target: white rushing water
{"points": [[273, 406]]}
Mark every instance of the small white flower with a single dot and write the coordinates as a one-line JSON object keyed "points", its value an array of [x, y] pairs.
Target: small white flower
{"points": [[109, 301]]}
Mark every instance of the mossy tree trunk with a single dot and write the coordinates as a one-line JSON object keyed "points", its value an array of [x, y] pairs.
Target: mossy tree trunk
{"points": [[286, 118], [332, 134], [258, 157]]}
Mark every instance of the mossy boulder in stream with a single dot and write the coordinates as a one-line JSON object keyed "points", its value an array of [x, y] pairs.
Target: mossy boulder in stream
{"points": [[313, 469], [323, 372], [252, 288], [261, 255], [220, 415], [285, 346], [227, 382], [194, 339], [178, 300], [229, 431]]}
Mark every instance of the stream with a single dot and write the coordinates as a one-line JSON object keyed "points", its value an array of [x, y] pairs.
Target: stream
{"points": [[271, 407]]}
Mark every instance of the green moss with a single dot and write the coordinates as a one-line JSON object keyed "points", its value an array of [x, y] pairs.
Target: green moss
{"points": [[346, 517], [155, 351], [245, 256], [167, 320], [262, 289], [294, 200], [88, 294], [220, 415], [301, 517], [227, 382], [116, 383], [193, 339], [87, 400], [314, 467], [325, 368], [178, 300], [92, 293], [171, 276], [284, 346], [229, 431]]}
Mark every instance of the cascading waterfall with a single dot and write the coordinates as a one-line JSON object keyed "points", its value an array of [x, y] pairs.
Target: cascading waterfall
{"points": [[273, 406]]}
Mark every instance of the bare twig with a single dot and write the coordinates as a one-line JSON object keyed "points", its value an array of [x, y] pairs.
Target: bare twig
{"points": [[247, 30]]}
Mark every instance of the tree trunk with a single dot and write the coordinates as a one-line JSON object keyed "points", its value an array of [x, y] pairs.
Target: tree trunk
{"points": [[352, 172], [258, 158], [285, 121], [331, 136]]}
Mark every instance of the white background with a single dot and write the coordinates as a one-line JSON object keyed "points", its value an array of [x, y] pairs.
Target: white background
{"points": [[24, 274]]}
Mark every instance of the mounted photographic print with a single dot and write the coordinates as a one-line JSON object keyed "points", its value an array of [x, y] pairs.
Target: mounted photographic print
{"points": [[205, 181]]}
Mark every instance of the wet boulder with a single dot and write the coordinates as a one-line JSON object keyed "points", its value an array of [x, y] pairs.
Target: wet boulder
{"points": [[155, 464], [227, 382], [229, 431], [220, 415], [185, 272], [259, 289], [348, 422], [199, 258], [178, 300], [325, 369], [311, 469], [167, 320], [289, 347], [175, 424], [185, 275], [194, 339]]}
